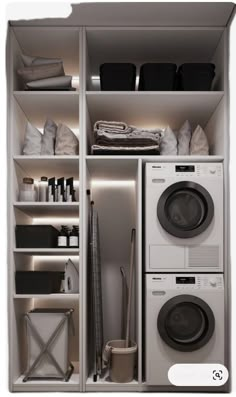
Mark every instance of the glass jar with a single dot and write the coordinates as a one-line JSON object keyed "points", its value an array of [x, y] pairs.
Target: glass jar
{"points": [[27, 190]]}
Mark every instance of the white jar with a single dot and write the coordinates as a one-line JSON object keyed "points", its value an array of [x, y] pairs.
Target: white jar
{"points": [[43, 189], [27, 190]]}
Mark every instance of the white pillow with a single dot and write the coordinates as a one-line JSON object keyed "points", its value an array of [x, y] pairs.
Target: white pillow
{"points": [[199, 143], [66, 141], [168, 146], [33, 141], [184, 137], [48, 138]]}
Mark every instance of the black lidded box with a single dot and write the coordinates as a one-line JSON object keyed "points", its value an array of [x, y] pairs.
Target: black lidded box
{"points": [[157, 77], [37, 282], [117, 76], [196, 76], [36, 236]]}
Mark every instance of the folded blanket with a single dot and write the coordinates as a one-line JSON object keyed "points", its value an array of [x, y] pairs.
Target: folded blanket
{"points": [[136, 137], [39, 72], [112, 126], [53, 83], [125, 150]]}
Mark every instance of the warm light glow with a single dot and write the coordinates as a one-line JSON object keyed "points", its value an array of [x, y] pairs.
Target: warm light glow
{"points": [[53, 258], [55, 220], [109, 183]]}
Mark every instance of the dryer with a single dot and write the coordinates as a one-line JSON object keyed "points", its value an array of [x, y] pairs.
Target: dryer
{"points": [[184, 322], [184, 217]]}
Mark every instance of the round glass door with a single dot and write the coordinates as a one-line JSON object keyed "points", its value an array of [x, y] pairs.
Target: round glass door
{"points": [[185, 209], [186, 323]]}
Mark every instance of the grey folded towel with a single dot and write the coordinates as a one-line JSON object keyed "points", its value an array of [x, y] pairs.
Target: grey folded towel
{"points": [[112, 126], [53, 83], [99, 149]]}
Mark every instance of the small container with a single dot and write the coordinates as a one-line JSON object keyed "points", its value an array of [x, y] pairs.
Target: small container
{"points": [[43, 189], [157, 77], [27, 190], [117, 76], [36, 236], [196, 76], [63, 237], [74, 237]]}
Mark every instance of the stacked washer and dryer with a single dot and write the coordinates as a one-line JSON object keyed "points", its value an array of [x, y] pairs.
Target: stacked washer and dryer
{"points": [[184, 248]]}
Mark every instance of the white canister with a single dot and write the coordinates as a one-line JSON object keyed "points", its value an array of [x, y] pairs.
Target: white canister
{"points": [[43, 189]]}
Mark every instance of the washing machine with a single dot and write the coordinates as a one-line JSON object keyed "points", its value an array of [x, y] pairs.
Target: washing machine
{"points": [[184, 217], [184, 322]]}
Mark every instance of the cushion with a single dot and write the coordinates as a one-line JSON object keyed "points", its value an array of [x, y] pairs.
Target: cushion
{"points": [[48, 138], [54, 83], [33, 141], [168, 145], [184, 137], [66, 141], [30, 61], [32, 73], [199, 143]]}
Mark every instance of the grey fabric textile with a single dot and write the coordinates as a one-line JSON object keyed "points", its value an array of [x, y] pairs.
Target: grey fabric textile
{"points": [[184, 137], [39, 72], [48, 138], [199, 143], [136, 137], [33, 141], [53, 83], [168, 145], [66, 141], [96, 289], [112, 127], [98, 149], [35, 60]]}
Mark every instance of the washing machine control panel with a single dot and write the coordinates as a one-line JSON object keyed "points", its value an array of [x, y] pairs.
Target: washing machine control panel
{"points": [[187, 281], [156, 170]]}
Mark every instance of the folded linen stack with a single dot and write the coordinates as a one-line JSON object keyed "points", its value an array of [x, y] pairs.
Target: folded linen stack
{"points": [[119, 138], [44, 74]]}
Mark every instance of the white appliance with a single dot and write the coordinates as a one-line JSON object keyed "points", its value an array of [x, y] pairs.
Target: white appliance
{"points": [[184, 217], [184, 322]]}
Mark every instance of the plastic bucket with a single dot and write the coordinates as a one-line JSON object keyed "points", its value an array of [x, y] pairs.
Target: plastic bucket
{"points": [[121, 360]]}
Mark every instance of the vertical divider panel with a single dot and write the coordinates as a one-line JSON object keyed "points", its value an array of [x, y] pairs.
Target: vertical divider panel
{"points": [[139, 269]]}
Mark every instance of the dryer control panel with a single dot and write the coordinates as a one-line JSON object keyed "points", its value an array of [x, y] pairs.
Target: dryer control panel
{"points": [[156, 170], [186, 281]]}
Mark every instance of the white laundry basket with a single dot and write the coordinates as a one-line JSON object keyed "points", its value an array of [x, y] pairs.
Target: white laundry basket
{"points": [[47, 340]]}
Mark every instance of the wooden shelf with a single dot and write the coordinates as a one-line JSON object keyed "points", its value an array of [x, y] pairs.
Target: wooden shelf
{"points": [[47, 251], [47, 385], [39, 209], [46, 296], [36, 166]]}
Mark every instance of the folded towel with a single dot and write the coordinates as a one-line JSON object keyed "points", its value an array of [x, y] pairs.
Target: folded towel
{"points": [[119, 150], [32, 61], [112, 126], [32, 73], [53, 83], [127, 139]]}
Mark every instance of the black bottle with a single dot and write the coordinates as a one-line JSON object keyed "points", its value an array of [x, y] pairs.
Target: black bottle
{"points": [[74, 237], [62, 240]]}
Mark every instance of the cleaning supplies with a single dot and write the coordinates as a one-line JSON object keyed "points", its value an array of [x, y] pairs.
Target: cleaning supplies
{"points": [[62, 240], [74, 237]]}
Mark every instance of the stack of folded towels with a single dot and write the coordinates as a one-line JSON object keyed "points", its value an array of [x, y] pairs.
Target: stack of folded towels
{"points": [[44, 74], [119, 138]]}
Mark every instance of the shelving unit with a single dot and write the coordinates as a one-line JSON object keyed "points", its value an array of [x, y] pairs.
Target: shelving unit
{"points": [[91, 35]]}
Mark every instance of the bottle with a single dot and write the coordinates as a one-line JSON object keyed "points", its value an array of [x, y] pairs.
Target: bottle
{"points": [[62, 239], [27, 190], [43, 189], [74, 237]]}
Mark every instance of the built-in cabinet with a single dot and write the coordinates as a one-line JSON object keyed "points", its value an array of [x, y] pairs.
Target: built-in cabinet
{"points": [[114, 183]]}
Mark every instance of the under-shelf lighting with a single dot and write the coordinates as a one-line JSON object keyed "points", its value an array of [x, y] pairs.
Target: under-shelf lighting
{"points": [[55, 220], [97, 78], [109, 183], [53, 258]]}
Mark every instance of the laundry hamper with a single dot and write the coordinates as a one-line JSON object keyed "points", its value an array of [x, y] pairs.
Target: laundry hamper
{"points": [[47, 340]]}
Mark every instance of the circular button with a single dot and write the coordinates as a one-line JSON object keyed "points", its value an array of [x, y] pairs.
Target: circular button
{"points": [[212, 170], [213, 282]]}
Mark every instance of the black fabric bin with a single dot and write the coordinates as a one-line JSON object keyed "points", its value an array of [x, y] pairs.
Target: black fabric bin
{"points": [[117, 76], [157, 77], [196, 76], [36, 236], [37, 282]]}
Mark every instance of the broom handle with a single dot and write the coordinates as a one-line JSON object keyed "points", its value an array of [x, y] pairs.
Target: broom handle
{"points": [[130, 288]]}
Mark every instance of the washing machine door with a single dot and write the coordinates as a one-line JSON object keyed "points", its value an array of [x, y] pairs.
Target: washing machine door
{"points": [[186, 323], [185, 209]]}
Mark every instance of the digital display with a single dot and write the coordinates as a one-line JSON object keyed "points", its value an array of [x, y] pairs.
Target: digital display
{"points": [[185, 280], [184, 168]]}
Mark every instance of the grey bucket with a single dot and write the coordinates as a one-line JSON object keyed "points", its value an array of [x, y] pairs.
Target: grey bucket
{"points": [[121, 360]]}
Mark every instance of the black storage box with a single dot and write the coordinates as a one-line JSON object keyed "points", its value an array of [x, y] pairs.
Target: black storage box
{"points": [[117, 76], [36, 236], [157, 77], [196, 76], [33, 282]]}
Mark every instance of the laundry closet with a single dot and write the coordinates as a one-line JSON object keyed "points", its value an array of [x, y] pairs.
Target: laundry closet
{"points": [[118, 242]]}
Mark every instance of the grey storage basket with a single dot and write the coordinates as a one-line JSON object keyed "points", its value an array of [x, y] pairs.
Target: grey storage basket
{"points": [[47, 341]]}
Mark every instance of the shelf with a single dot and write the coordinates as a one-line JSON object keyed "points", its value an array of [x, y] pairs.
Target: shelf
{"points": [[48, 209], [47, 251], [47, 385], [152, 109], [104, 384], [61, 106], [46, 296], [57, 166], [159, 159]]}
